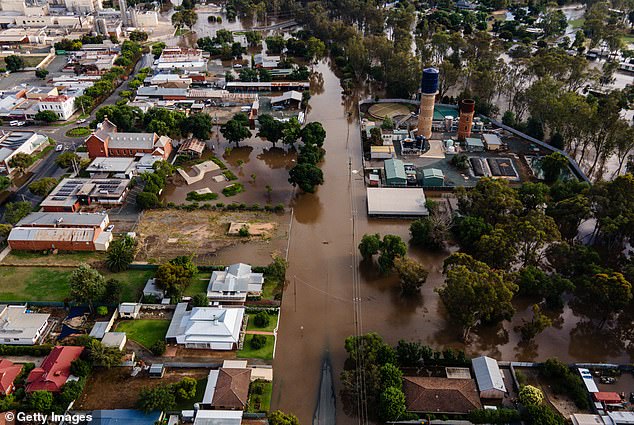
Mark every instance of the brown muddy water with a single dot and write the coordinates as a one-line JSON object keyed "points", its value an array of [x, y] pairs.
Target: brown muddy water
{"points": [[317, 313]]}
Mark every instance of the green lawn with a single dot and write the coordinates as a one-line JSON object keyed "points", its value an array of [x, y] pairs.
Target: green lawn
{"points": [[265, 353], [577, 23], [271, 288], [260, 402], [272, 323], [199, 285], [189, 404], [51, 284], [145, 332]]}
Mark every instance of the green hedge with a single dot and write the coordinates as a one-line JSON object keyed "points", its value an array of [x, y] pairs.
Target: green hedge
{"points": [[25, 350]]}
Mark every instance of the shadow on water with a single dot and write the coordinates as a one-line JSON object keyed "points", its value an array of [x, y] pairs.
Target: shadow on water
{"points": [[307, 207], [276, 157]]}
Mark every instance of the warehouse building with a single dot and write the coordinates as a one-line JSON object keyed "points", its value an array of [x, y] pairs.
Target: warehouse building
{"points": [[63, 239], [396, 202]]}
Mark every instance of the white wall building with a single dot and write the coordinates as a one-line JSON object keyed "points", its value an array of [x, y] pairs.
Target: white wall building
{"points": [[18, 142], [83, 6], [63, 106], [17, 327], [214, 328], [234, 283]]}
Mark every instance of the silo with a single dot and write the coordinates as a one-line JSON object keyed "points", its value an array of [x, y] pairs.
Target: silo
{"points": [[467, 108], [429, 90]]}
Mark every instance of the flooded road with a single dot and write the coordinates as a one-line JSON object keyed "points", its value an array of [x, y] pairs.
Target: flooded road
{"points": [[317, 313]]}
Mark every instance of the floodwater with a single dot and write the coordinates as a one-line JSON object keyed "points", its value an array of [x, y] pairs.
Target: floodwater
{"points": [[318, 308]]}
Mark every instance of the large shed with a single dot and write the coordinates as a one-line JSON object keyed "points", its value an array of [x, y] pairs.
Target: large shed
{"points": [[396, 201], [395, 172], [433, 177], [489, 378]]}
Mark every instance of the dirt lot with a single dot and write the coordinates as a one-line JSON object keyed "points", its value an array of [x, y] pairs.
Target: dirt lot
{"points": [[105, 388], [165, 234], [560, 402]]}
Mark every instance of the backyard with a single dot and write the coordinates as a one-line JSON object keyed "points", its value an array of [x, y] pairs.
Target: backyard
{"points": [[260, 396], [51, 284], [145, 332], [264, 353], [251, 326], [198, 285]]}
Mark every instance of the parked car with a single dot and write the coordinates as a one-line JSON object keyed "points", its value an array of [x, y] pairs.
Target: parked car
{"points": [[607, 380], [59, 148], [21, 123], [14, 123], [81, 121], [110, 228]]}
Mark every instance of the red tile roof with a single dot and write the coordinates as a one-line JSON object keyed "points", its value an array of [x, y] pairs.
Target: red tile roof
{"points": [[607, 397], [60, 98], [54, 371], [232, 388], [442, 395], [8, 372]]}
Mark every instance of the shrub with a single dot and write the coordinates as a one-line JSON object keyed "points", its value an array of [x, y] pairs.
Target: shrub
{"points": [[531, 396], [158, 348], [257, 342], [80, 368], [233, 189], [229, 175], [244, 231], [102, 310], [262, 319], [194, 196]]}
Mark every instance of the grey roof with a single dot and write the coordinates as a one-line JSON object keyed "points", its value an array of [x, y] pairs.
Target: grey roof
{"points": [[235, 278], [205, 324], [154, 91], [52, 235], [99, 329], [15, 322], [472, 141], [61, 219], [131, 141], [104, 129], [113, 339], [150, 288], [396, 201], [488, 374], [218, 417], [111, 164], [433, 172], [492, 139], [289, 95]]}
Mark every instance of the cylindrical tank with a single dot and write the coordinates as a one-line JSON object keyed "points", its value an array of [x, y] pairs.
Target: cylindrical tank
{"points": [[448, 122], [467, 108], [429, 89]]}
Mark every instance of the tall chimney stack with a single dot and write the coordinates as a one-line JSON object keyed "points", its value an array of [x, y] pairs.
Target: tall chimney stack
{"points": [[467, 108], [429, 90]]}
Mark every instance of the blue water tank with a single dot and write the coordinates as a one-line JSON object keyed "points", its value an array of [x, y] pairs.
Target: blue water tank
{"points": [[429, 83]]}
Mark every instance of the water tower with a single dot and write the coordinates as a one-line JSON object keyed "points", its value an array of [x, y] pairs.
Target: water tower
{"points": [[467, 108], [429, 90]]}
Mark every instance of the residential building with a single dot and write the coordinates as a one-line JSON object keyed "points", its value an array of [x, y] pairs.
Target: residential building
{"points": [[62, 239], [152, 290], [71, 194], [489, 378], [234, 284], [227, 389], [17, 327], [41, 92], [215, 328], [57, 220], [14, 142], [54, 370], [107, 141], [8, 372], [62, 105], [266, 62], [440, 395]]}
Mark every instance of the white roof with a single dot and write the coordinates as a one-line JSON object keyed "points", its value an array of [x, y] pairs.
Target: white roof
{"points": [[289, 95], [397, 201], [218, 417], [235, 278], [488, 374], [234, 364], [622, 418], [111, 165], [492, 139], [586, 419], [206, 325], [210, 388], [588, 380], [99, 329], [15, 322]]}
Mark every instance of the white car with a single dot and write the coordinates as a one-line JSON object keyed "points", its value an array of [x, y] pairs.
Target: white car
{"points": [[81, 121], [21, 123], [14, 123], [59, 148], [110, 228]]}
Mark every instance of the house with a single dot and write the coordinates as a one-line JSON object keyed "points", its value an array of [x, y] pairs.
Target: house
{"points": [[62, 105], [440, 395], [266, 62], [151, 290], [489, 378], [215, 328], [107, 141], [234, 284], [129, 310], [8, 372], [63, 239], [217, 417], [14, 142], [70, 194], [125, 416], [114, 339], [395, 172], [227, 389], [433, 177], [54, 370], [17, 327], [492, 141]]}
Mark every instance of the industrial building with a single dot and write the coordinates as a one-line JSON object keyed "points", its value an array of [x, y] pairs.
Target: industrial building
{"points": [[396, 201], [395, 172], [71, 194], [433, 177]]}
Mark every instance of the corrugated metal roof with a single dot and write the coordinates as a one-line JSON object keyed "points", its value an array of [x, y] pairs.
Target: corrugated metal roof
{"points": [[488, 374], [394, 169], [52, 234], [62, 219]]}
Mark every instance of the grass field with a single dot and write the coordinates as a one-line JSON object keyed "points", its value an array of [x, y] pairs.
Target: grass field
{"points": [[78, 132], [200, 392], [265, 353], [145, 332], [29, 258], [272, 323], [51, 284], [199, 284], [29, 61], [260, 402]]}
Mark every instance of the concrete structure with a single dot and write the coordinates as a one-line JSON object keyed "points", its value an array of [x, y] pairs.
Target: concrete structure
{"points": [[433, 177], [129, 310], [396, 201], [440, 395], [83, 6], [14, 142], [586, 419], [63, 239], [8, 372], [114, 339], [488, 377], [206, 327], [144, 18], [382, 152], [54, 370], [62, 105], [106, 141], [227, 389], [71, 194], [17, 327], [234, 284], [429, 90], [467, 109], [395, 172], [492, 141]]}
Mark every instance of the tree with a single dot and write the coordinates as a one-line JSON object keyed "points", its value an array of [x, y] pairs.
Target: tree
{"points": [[370, 245], [138, 36], [199, 125], [542, 415], [172, 278], [391, 404], [236, 130], [5, 229], [533, 195], [533, 281], [5, 183], [291, 132], [275, 44], [313, 134], [531, 396], [186, 388], [492, 199], [87, 285], [257, 342], [552, 166], [200, 300], [70, 391], [66, 159], [262, 319], [473, 293], [392, 246], [391, 376], [16, 211], [412, 274], [469, 229], [121, 253], [158, 348], [46, 116], [158, 398], [535, 326], [428, 232], [43, 186], [147, 200], [14, 63], [41, 73], [605, 294], [41, 401], [80, 368], [270, 128], [280, 418], [532, 233], [21, 161], [102, 355], [306, 176]]}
